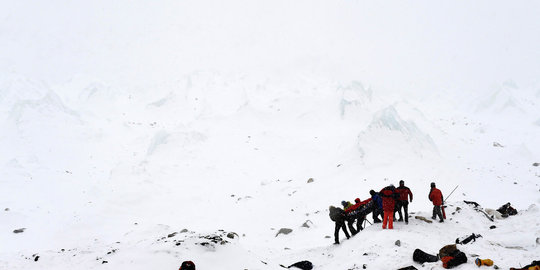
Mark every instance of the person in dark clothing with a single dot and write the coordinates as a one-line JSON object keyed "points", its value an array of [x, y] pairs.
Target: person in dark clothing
{"points": [[389, 197], [436, 197], [358, 211], [338, 216], [403, 202], [349, 218], [377, 201]]}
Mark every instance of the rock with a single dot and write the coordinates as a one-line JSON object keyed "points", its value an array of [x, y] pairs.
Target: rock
{"points": [[172, 234], [104, 262], [184, 231], [7, 209], [328, 236], [536, 164], [398, 243], [284, 231], [364, 266], [231, 235], [36, 258], [495, 266], [310, 180], [492, 227], [496, 144], [21, 230], [538, 240]]}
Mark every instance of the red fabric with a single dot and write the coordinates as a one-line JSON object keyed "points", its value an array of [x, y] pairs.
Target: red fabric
{"points": [[404, 193], [435, 196], [388, 218], [388, 201], [357, 205], [445, 261]]}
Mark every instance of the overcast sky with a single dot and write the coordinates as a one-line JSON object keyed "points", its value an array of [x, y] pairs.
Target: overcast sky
{"points": [[395, 45]]}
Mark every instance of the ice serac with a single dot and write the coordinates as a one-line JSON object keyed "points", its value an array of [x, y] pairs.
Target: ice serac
{"points": [[353, 96], [389, 137]]}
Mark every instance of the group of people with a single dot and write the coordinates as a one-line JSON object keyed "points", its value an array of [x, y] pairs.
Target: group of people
{"points": [[386, 203]]}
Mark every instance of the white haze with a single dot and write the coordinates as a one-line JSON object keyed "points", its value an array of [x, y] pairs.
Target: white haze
{"points": [[124, 121]]}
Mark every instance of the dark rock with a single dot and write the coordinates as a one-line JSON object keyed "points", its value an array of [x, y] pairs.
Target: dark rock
{"points": [[104, 262], [21, 230], [172, 234], [184, 231], [284, 231], [7, 209], [492, 227], [328, 236], [310, 180], [398, 243], [536, 164], [36, 258], [496, 144], [495, 267], [232, 235]]}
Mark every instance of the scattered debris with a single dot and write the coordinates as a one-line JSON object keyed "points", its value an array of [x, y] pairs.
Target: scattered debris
{"points": [[306, 224], [507, 210], [408, 268], [304, 265], [420, 256], [21, 230], [477, 207], [284, 231], [423, 219], [467, 239]]}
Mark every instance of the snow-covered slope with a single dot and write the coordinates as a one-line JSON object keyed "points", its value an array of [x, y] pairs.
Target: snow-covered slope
{"points": [[123, 124]]}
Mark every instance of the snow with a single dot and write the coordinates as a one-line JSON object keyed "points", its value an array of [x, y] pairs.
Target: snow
{"points": [[124, 123]]}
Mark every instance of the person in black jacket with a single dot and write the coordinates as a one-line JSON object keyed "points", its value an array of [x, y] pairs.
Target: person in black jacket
{"points": [[338, 216]]}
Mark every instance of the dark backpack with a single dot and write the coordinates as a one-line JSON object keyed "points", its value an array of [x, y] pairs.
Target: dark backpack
{"points": [[187, 265], [304, 265], [421, 257], [336, 214]]}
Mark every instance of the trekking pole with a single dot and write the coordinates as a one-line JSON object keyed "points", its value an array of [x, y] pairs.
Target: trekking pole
{"points": [[444, 206], [450, 193]]}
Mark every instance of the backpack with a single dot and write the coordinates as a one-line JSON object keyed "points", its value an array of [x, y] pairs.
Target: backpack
{"points": [[421, 257], [187, 265], [454, 259], [304, 265], [335, 213]]}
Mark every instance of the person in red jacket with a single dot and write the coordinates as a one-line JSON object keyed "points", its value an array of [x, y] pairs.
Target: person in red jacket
{"points": [[403, 201], [389, 197], [436, 197]]}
